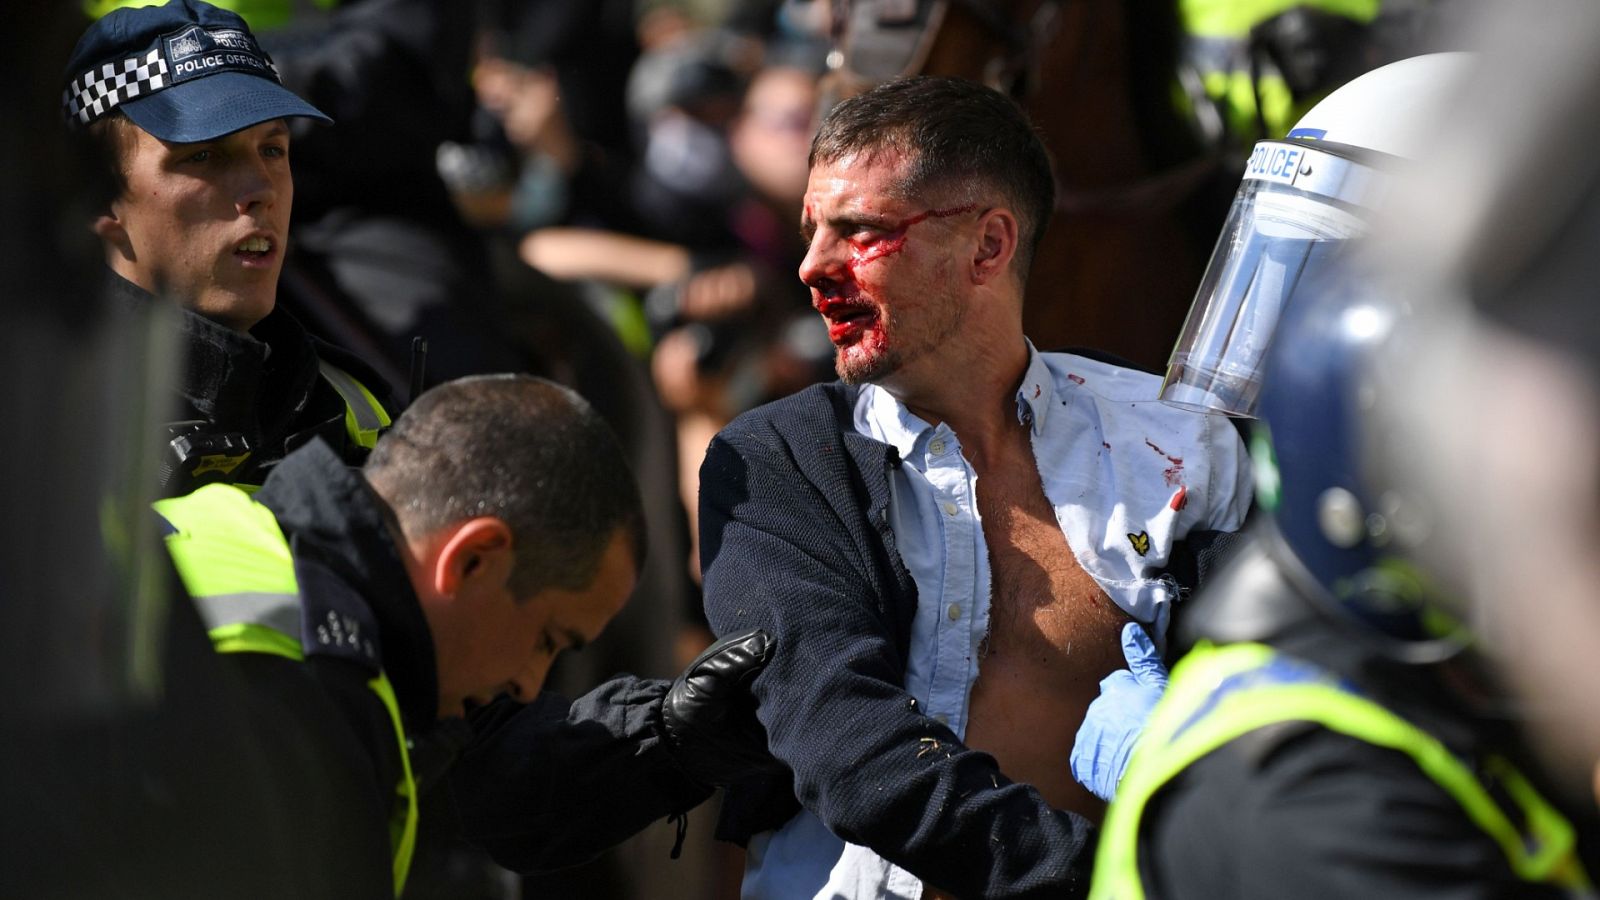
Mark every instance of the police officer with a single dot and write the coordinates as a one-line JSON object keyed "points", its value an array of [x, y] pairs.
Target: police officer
{"points": [[361, 609], [364, 611], [1333, 732], [185, 111]]}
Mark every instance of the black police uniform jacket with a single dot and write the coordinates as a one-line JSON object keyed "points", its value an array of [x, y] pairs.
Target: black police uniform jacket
{"points": [[327, 737], [264, 385]]}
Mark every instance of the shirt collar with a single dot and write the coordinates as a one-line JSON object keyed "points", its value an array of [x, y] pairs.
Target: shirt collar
{"points": [[1036, 394], [879, 415]]}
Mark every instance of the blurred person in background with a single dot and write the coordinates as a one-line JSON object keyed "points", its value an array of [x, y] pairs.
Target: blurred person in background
{"points": [[1249, 70], [739, 332], [1490, 408], [551, 126], [704, 236], [382, 254]]}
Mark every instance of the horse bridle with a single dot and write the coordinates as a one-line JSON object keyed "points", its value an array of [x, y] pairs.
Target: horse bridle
{"points": [[893, 38]]}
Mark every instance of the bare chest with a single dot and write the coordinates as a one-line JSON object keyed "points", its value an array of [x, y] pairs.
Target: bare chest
{"points": [[1042, 603], [1053, 634]]}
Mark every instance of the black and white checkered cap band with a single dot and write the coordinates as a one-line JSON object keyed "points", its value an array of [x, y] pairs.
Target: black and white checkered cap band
{"points": [[99, 90]]}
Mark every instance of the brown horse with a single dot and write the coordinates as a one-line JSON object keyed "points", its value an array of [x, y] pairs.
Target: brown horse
{"points": [[1139, 203]]}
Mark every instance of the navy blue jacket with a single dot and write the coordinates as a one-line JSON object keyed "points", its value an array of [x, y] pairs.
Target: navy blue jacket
{"points": [[795, 538]]}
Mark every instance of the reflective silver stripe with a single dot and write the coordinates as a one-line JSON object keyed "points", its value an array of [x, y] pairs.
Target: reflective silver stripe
{"points": [[280, 612], [348, 388]]}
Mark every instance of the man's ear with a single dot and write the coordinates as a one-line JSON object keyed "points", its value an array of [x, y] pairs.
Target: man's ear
{"points": [[474, 554], [997, 245], [108, 227]]}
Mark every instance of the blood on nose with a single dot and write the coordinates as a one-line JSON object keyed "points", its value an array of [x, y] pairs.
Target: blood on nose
{"points": [[822, 271]]}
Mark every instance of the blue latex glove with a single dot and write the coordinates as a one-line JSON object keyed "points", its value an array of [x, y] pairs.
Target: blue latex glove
{"points": [[1116, 718]]}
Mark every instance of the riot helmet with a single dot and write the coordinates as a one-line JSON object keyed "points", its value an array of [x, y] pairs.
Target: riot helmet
{"points": [[1301, 203], [1344, 536]]}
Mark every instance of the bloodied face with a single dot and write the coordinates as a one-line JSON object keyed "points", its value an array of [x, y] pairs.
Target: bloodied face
{"points": [[883, 269]]}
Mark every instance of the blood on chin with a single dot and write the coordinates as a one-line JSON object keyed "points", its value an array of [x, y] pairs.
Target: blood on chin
{"points": [[863, 360]]}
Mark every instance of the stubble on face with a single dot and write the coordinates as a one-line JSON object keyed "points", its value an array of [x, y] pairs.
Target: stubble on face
{"points": [[880, 271], [933, 327], [918, 311]]}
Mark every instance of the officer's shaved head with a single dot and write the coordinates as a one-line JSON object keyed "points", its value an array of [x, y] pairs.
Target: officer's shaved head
{"points": [[521, 449]]}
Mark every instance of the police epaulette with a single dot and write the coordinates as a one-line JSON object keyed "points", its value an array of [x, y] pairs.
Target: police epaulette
{"points": [[337, 621]]}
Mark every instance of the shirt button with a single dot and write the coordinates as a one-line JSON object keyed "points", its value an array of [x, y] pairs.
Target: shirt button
{"points": [[942, 719], [950, 509], [955, 611], [937, 446]]}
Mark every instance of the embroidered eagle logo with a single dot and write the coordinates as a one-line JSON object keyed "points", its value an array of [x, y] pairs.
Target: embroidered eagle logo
{"points": [[1140, 542]]}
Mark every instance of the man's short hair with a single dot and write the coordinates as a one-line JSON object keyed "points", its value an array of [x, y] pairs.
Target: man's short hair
{"points": [[105, 144], [521, 449], [957, 134]]}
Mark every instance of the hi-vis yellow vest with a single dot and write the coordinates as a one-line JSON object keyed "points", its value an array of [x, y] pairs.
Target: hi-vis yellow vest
{"points": [[235, 563], [1218, 694], [1217, 34], [262, 15]]}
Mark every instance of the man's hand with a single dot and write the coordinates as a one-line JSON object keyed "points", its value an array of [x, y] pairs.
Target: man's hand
{"points": [[1116, 718], [709, 716]]}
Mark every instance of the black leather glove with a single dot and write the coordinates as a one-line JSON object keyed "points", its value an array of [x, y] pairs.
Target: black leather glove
{"points": [[709, 715]]}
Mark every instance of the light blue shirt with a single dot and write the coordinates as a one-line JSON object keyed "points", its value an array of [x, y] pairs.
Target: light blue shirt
{"points": [[1127, 476]]}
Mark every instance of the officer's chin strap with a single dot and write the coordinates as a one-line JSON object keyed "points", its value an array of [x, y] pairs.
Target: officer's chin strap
{"points": [[681, 819]]}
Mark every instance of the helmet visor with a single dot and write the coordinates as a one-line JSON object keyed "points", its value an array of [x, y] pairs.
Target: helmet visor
{"points": [[1287, 227]]}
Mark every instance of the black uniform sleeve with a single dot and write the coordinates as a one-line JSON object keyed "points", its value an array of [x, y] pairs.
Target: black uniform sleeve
{"points": [[552, 784], [1318, 815], [876, 771]]}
